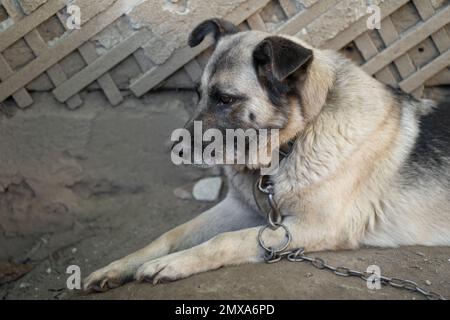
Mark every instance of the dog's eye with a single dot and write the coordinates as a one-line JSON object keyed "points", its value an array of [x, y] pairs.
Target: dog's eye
{"points": [[225, 99]]}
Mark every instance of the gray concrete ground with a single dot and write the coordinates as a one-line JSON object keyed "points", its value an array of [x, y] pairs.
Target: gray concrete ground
{"points": [[110, 225]]}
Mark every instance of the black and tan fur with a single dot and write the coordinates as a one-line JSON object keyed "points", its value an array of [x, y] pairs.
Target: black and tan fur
{"points": [[370, 165]]}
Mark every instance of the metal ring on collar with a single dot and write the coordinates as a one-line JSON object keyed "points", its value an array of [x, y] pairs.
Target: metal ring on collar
{"points": [[281, 248], [264, 185]]}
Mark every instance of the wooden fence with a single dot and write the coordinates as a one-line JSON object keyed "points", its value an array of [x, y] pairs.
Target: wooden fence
{"points": [[410, 50]]}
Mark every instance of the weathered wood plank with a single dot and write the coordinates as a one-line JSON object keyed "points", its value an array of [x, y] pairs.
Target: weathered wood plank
{"points": [[303, 18], [360, 26], [440, 37], [17, 31], [179, 80], [404, 64], [38, 45], [55, 72], [288, 7], [21, 96], [155, 75], [440, 79], [144, 62], [89, 54], [100, 66], [256, 22], [424, 7], [159, 73], [411, 38], [12, 9], [368, 50], [389, 35], [62, 48], [426, 72], [194, 70]]}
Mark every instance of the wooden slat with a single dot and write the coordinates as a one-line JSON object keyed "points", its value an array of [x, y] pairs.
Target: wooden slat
{"points": [[62, 48], [424, 7], [55, 72], [404, 64], [22, 97], [288, 7], [100, 66], [256, 22], [105, 81], [194, 70], [144, 62], [11, 9], [440, 79], [38, 45], [368, 50], [440, 37], [179, 80], [411, 38], [389, 35], [359, 27], [155, 75], [14, 33], [303, 18], [426, 72]]}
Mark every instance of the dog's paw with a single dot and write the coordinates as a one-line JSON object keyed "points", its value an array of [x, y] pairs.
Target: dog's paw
{"points": [[109, 277], [165, 269]]}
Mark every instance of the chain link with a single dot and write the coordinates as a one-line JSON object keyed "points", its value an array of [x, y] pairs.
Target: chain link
{"points": [[275, 255]]}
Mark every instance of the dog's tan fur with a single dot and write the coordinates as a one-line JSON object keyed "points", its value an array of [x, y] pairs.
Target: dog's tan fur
{"points": [[344, 185]]}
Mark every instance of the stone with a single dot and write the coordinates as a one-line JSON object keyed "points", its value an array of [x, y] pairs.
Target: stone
{"points": [[207, 189], [420, 254], [24, 285], [28, 6]]}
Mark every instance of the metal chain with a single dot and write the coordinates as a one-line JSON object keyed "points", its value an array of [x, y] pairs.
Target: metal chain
{"points": [[273, 255]]}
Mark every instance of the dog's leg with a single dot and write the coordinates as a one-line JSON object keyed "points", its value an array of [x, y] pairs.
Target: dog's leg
{"points": [[228, 215], [232, 248]]}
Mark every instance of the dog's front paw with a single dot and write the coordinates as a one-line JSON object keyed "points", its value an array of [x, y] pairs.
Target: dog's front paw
{"points": [[109, 277], [169, 268]]}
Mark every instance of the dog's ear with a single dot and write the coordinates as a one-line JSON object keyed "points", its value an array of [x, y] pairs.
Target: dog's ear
{"points": [[281, 56], [217, 27]]}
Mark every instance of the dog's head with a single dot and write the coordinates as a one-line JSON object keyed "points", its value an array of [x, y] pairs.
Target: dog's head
{"points": [[253, 80]]}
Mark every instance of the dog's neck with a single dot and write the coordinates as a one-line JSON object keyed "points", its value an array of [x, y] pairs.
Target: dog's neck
{"points": [[316, 84], [340, 134]]}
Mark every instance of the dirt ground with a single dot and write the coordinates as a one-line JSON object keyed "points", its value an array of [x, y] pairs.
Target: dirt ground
{"points": [[126, 222]]}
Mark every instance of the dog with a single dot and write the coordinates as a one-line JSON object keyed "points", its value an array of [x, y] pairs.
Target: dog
{"points": [[370, 166]]}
